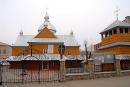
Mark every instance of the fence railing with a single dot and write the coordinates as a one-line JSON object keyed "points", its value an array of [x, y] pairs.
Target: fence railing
{"points": [[75, 70]]}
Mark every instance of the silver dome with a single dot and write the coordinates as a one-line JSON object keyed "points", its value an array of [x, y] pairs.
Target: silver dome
{"points": [[47, 24]]}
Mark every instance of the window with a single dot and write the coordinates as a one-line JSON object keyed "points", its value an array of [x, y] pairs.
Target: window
{"points": [[126, 30], [103, 35], [121, 30], [68, 53], [115, 31], [4, 51], [44, 51], [110, 32], [106, 34], [50, 48]]}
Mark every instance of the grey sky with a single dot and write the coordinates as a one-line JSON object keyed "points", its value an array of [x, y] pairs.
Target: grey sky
{"points": [[85, 17]]}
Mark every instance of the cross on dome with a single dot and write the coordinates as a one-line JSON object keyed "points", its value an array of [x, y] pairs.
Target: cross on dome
{"points": [[47, 24], [46, 16], [21, 33], [117, 12]]}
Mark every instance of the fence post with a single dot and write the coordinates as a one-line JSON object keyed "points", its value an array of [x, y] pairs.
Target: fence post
{"points": [[118, 67], [62, 70], [91, 68], [0, 73], [39, 71], [85, 67], [23, 71]]}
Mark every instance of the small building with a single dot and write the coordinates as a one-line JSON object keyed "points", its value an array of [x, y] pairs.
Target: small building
{"points": [[115, 39], [5, 51]]}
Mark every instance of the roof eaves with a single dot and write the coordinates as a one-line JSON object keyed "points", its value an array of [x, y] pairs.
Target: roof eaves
{"points": [[115, 44]]}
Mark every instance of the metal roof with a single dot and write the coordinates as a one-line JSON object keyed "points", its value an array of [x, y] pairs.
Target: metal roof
{"points": [[68, 40], [43, 57], [48, 24], [22, 40], [116, 23], [3, 44], [115, 44]]}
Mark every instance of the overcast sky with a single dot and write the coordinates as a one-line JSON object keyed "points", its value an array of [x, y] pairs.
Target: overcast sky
{"points": [[85, 17]]}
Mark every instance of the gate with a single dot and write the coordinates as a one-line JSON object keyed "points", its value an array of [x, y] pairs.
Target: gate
{"points": [[27, 71], [30, 69]]}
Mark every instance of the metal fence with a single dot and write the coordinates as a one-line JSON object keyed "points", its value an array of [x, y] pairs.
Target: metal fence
{"points": [[9, 75]]}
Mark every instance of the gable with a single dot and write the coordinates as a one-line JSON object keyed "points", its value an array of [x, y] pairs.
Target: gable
{"points": [[45, 33]]}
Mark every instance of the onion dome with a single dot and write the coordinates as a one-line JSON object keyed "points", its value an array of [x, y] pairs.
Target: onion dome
{"points": [[47, 24]]}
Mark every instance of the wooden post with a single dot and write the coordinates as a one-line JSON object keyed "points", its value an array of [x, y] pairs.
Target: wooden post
{"points": [[85, 67]]}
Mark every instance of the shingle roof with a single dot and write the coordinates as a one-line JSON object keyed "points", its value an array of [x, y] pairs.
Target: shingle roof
{"points": [[116, 23]]}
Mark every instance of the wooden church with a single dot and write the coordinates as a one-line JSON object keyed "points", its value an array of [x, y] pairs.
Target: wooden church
{"points": [[44, 46], [115, 40]]}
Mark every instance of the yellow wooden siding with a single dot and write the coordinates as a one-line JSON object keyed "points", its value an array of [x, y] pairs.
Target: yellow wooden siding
{"points": [[39, 48], [116, 50], [16, 51], [72, 50], [45, 33], [116, 38]]}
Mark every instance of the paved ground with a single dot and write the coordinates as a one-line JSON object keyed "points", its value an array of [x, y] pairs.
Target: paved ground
{"points": [[103, 82]]}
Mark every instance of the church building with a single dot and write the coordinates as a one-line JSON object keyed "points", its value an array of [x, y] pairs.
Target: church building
{"points": [[44, 46], [115, 40]]}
